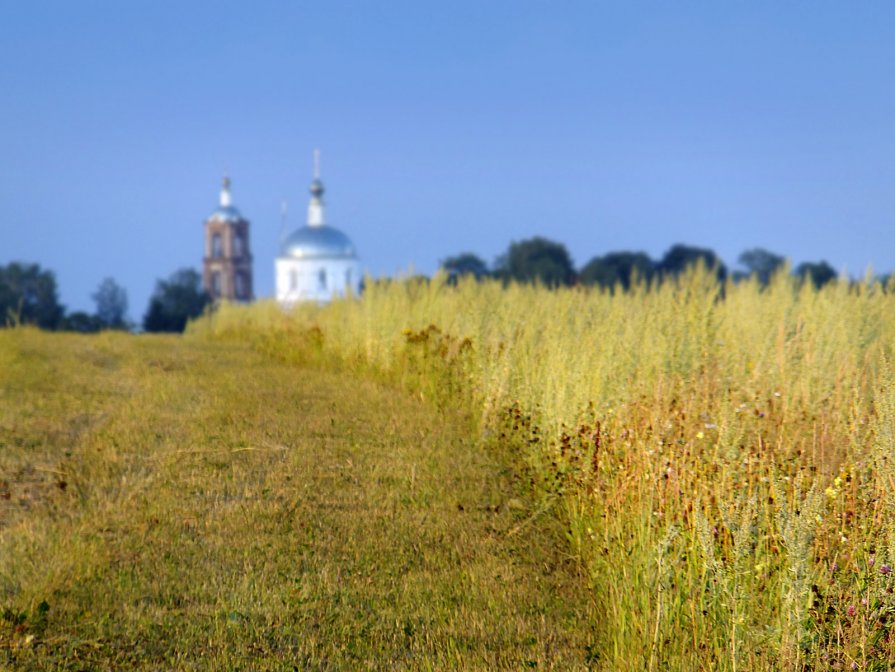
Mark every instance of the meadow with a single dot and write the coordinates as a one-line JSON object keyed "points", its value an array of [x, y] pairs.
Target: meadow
{"points": [[172, 503], [719, 457], [685, 476]]}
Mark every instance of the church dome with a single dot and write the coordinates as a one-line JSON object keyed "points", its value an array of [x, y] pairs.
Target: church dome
{"points": [[226, 213], [318, 242]]}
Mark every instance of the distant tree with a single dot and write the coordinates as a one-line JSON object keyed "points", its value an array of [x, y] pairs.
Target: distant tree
{"points": [[680, 257], [175, 300], [819, 273], [465, 264], [761, 263], [111, 304], [617, 268], [28, 295], [537, 259], [82, 322]]}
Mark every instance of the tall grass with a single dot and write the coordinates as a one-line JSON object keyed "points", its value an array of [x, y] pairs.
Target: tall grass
{"points": [[723, 456]]}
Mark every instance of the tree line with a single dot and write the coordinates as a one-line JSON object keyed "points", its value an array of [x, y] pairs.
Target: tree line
{"points": [[29, 295], [548, 262]]}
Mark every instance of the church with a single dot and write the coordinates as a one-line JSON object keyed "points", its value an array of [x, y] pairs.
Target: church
{"points": [[227, 266], [316, 262]]}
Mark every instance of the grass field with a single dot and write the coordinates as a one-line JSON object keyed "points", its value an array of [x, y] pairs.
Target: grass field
{"points": [[721, 457], [186, 503], [682, 477]]}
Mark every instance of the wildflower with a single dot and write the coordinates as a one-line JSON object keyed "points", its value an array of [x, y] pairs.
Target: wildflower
{"points": [[831, 493], [871, 561], [837, 482], [851, 611], [711, 425], [835, 567], [700, 435], [885, 570], [818, 519], [759, 567]]}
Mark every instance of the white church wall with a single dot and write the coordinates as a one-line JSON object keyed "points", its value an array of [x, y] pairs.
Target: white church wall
{"points": [[315, 279]]}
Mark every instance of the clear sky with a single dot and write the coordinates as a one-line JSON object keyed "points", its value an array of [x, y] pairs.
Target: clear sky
{"points": [[444, 127]]}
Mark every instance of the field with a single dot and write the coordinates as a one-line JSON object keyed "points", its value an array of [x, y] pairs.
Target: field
{"points": [[170, 503], [721, 457], [682, 477]]}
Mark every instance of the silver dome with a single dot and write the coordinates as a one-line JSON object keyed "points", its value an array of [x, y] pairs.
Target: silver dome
{"points": [[318, 242], [226, 213]]}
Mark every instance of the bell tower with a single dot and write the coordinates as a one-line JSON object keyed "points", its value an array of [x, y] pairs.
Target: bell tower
{"points": [[227, 266]]}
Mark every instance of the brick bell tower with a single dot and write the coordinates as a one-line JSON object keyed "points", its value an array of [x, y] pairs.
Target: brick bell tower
{"points": [[227, 266]]}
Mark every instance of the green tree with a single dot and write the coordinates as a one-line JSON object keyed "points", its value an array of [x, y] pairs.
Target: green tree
{"points": [[681, 257], [537, 259], [111, 304], [465, 264], [617, 268], [761, 263], [819, 273], [28, 295], [82, 322], [175, 301]]}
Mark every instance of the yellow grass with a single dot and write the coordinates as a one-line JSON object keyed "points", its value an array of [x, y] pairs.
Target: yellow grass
{"points": [[180, 504], [721, 456]]}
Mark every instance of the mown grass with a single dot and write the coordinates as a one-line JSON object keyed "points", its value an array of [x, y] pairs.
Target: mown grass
{"points": [[189, 503], [721, 456]]}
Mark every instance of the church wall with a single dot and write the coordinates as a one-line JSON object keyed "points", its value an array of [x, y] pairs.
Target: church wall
{"points": [[227, 263], [341, 274]]}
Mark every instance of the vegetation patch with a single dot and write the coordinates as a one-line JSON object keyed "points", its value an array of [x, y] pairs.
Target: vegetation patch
{"points": [[225, 510], [720, 455]]}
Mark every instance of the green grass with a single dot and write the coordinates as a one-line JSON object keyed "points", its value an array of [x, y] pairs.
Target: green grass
{"points": [[171, 503]]}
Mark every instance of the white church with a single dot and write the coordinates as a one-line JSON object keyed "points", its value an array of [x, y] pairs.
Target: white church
{"points": [[317, 262]]}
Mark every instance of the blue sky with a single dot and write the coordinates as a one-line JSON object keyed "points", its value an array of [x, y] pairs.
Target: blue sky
{"points": [[444, 127]]}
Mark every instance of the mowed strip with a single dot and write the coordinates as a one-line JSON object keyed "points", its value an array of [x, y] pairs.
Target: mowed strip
{"points": [[174, 503]]}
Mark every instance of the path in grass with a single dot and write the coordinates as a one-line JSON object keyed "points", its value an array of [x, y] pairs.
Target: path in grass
{"points": [[168, 503]]}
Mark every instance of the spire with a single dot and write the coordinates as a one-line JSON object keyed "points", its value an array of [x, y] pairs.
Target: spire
{"points": [[225, 192], [315, 207], [284, 210]]}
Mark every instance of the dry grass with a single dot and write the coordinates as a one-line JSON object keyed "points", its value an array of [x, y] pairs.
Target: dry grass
{"points": [[722, 457], [175, 503]]}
